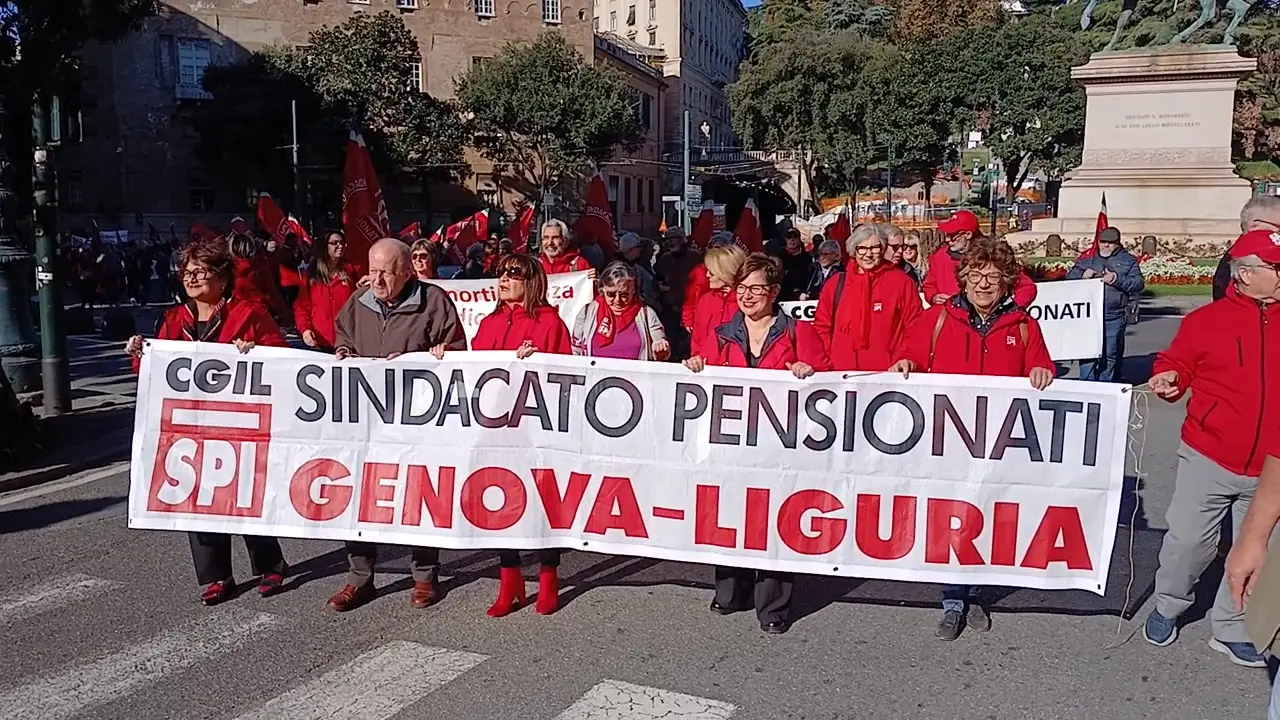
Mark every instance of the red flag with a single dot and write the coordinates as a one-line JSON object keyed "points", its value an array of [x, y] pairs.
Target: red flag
{"points": [[595, 225], [1098, 227], [841, 229], [519, 231], [747, 233], [704, 228], [364, 214], [274, 221], [463, 234], [412, 231], [200, 231]]}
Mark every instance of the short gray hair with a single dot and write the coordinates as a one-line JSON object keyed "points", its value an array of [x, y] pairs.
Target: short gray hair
{"points": [[1260, 207], [1240, 263], [829, 246], [888, 230], [860, 234], [615, 272], [557, 224]]}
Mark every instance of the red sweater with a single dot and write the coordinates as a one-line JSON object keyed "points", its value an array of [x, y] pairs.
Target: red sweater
{"points": [[565, 262], [788, 341], [508, 327], [240, 321], [1013, 346], [895, 305], [1223, 353], [941, 279], [714, 309], [318, 304]]}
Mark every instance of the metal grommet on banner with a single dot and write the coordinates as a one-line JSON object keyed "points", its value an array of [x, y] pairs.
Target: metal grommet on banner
{"points": [[835, 569], [593, 363], [585, 543]]}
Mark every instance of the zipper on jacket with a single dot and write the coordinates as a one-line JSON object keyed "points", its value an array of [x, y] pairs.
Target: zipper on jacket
{"points": [[1262, 396], [511, 319]]}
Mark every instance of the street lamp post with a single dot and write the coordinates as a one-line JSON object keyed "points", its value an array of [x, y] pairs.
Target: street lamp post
{"points": [[19, 352]]}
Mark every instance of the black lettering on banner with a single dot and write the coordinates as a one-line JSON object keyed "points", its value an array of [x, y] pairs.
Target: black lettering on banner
{"points": [[944, 410], [336, 395], [211, 376], [566, 383], [530, 387], [813, 413], [257, 388], [1091, 421], [850, 420], [408, 378], [758, 400], [483, 420], [684, 413], [240, 383], [1019, 410], [306, 373], [176, 383], [719, 413], [633, 395], [455, 401], [359, 386], [1057, 438], [917, 423]]}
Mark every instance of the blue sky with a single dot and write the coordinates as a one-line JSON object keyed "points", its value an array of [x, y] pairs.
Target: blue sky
{"points": [[750, 3]]}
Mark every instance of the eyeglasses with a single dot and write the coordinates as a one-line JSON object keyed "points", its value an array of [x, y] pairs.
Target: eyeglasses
{"points": [[421, 257], [337, 243], [754, 290], [197, 274], [896, 246], [513, 272], [867, 249], [991, 278], [624, 294]]}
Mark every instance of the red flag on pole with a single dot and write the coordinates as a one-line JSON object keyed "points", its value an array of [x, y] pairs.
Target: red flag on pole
{"points": [[274, 221], [463, 234], [1101, 225], [364, 214], [519, 231], [704, 228], [411, 232], [595, 225], [747, 233]]}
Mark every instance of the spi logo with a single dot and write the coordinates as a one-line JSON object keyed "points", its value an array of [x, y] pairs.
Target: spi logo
{"points": [[211, 458]]}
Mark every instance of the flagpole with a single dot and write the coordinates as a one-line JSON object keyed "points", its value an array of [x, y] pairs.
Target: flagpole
{"points": [[297, 171]]}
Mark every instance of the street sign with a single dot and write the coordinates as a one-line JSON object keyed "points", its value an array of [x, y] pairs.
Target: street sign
{"points": [[694, 193]]}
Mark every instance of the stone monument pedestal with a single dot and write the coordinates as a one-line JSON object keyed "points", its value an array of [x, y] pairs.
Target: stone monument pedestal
{"points": [[1157, 141]]}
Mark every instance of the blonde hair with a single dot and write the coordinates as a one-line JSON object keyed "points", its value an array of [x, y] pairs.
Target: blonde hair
{"points": [[725, 262]]}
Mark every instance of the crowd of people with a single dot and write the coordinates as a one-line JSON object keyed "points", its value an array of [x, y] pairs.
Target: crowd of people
{"points": [[884, 304]]}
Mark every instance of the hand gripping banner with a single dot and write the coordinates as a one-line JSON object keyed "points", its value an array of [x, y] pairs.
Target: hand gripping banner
{"points": [[946, 479]]}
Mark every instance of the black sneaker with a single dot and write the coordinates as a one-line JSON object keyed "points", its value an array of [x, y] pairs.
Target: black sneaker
{"points": [[950, 626], [978, 618]]}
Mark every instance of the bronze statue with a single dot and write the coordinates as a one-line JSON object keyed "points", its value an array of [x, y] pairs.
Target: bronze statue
{"points": [[1208, 13]]}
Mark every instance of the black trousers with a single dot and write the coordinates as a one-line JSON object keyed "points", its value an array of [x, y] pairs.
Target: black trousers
{"points": [[212, 555], [511, 558], [424, 563], [768, 591]]}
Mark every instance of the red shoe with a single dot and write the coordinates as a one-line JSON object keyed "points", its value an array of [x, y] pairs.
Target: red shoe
{"points": [[217, 592], [510, 593], [548, 591], [270, 583]]}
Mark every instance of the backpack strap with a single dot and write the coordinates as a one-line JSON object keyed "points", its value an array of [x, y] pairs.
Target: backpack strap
{"points": [[933, 341]]}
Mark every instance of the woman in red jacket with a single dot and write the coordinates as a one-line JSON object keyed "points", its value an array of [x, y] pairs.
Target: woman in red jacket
{"points": [[325, 289], [212, 315], [254, 278], [759, 335], [720, 302], [525, 322], [981, 331], [864, 312]]}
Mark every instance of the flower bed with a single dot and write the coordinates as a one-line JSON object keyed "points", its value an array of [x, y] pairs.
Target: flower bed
{"points": [[1156, 270]]}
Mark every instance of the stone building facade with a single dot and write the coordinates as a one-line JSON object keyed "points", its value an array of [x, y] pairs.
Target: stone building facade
{"points": [[634, 179]]}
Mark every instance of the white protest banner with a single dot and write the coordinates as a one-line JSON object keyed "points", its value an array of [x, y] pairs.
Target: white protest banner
{"points": [[1069, 313], [475, 299], [949, 479]]}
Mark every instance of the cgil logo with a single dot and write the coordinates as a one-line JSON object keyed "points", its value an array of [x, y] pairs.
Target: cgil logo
{"points": [[211, 458]]}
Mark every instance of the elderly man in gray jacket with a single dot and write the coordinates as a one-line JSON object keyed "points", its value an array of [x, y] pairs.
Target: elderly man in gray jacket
{"points": [[1119, 270]]}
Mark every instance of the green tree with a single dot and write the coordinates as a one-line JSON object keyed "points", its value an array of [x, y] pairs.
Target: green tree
{"points": [[544, 115]]}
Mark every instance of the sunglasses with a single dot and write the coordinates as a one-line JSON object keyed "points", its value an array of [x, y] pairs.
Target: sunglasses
{"points": [[421, 257], [513, 272]]}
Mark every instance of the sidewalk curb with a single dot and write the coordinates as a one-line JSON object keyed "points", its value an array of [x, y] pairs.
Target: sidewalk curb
{"points": [[118, 447]]}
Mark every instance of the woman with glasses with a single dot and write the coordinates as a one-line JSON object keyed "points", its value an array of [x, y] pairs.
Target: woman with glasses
{"points": [[759, 335], [525, 322], [979, 331], [325, 289], [423, 256], [911, 261], [896, 249], [719, 303], [864, 313], [618, 324], [212, 315]]}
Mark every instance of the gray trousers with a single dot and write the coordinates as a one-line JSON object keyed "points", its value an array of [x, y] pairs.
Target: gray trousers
{"points": [[424, 563], [1203, 495]]}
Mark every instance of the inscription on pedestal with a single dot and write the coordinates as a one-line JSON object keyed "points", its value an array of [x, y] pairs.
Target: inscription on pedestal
{"points": [[1156, 121]]}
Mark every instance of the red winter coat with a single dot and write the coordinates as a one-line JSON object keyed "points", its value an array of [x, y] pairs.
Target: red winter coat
{"points": [[788, 341], [568, 261], [895, 304], [318, 304], [510, 325], [255, 283], [240, 321], [943, 340], [697, 286], [714, 309], [1223, 353], [941, 279]]}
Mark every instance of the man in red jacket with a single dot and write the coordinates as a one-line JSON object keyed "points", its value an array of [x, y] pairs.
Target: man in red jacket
{"points": [[1223, 354], [940, 282]]}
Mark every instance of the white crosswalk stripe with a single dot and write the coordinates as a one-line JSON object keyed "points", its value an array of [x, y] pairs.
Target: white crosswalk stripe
{"points": [[111, 677], [615, 700], [50, 596], [375, 686]]}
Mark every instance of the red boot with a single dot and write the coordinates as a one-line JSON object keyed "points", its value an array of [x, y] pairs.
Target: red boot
{"points": [[548, 591], [510, 593]]}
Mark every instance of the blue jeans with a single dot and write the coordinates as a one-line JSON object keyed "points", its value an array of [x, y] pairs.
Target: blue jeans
{"points": [[1273, 711], [1107, 367], [955, 597]]}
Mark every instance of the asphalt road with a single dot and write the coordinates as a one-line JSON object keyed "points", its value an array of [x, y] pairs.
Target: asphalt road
{"points": [[103, 622]]}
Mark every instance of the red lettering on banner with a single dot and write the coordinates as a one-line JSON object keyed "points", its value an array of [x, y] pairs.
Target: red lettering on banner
{"points": [[1058, 522], [374, 492], [1004, 534], [419, 493], [561, 510], [616, 492], [940, 538], [334, 495], [706, 519], [825, 534], [206, 469], [755, 531], [902, 527], [514, 498]]}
